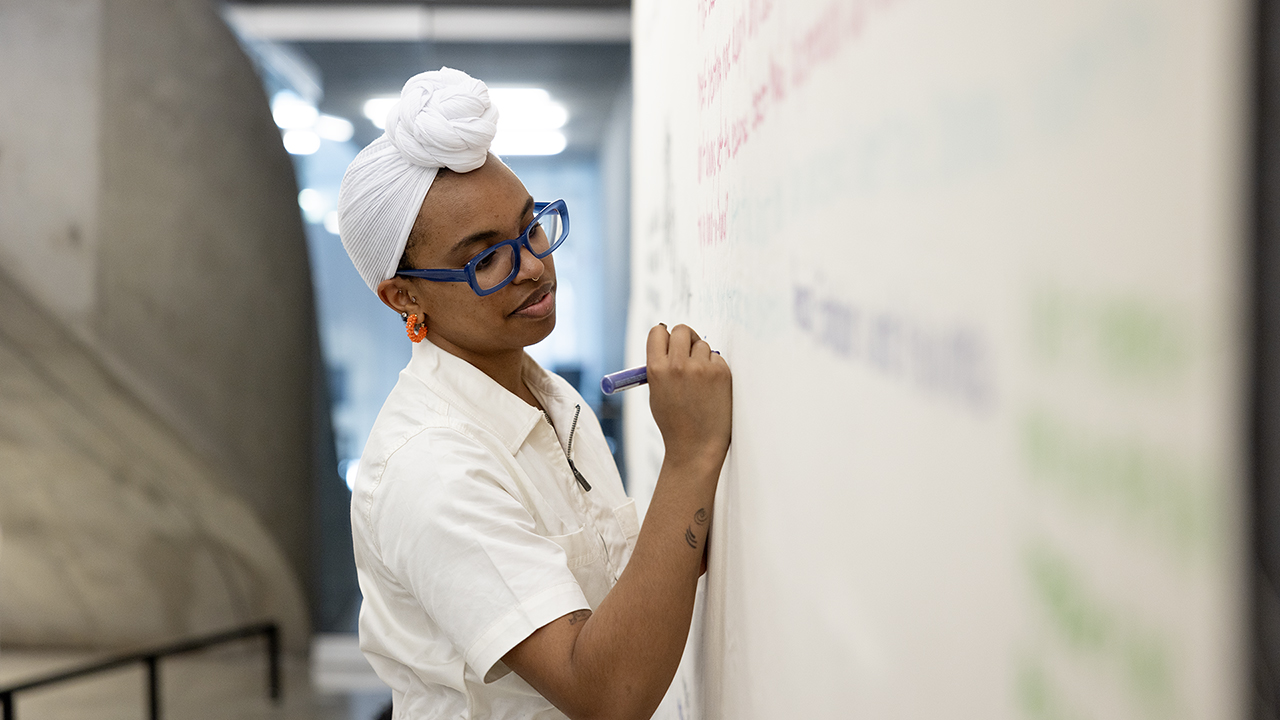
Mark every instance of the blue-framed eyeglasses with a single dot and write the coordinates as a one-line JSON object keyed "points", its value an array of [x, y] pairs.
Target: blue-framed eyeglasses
{"points": [[496, 266]]}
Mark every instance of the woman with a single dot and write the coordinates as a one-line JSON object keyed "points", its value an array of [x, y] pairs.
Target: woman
{"points": [[491, 530]]}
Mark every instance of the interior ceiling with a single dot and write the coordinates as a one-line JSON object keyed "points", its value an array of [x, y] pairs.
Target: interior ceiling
{"points": [[597, 4], [585, 78]]}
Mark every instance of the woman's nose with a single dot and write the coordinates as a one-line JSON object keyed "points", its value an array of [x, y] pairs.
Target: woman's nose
{"points": [[530, 266]]}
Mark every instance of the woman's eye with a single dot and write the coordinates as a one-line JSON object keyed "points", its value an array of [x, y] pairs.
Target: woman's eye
{"points": [[485, 261]]}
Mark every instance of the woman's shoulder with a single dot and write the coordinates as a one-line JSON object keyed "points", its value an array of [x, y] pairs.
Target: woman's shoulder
{"points": [[433, 445], [430, 465]]}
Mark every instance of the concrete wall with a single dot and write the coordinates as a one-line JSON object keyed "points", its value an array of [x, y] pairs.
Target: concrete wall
{"points": [[115, 531], [148, 211]]}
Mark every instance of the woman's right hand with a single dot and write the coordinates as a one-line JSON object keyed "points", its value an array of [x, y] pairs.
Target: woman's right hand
{"points": [[690, 395]]}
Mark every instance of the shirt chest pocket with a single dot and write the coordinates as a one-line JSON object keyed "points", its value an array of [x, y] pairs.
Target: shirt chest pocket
{"points": [[585, 553]]}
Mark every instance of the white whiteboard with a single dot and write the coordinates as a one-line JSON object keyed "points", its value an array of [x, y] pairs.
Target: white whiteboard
{"points": [[978, 270]]}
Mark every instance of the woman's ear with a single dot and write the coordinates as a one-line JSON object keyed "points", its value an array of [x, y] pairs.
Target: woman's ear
{"points": [[400, 295]]}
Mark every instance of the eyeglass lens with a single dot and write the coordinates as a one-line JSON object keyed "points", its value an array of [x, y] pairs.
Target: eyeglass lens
{"points": [[496, 266], [547, 232]]}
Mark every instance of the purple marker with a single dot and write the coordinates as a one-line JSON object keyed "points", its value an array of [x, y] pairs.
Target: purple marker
{"points": [[623, 379]]}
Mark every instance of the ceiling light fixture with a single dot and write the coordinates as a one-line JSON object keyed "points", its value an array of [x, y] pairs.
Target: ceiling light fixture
{"points": [[529, 142], [313, 204], [331, 221], [301, 142], [332, 127], [527, 109], [376, 110], [304, 126], [529, 122], [292, 112]]}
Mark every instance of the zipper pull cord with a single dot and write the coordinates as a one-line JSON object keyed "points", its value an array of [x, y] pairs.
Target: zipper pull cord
{"points": [[568, 455]]}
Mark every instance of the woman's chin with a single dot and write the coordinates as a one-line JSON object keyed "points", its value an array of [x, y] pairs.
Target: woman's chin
{"points": [[542, 329]]}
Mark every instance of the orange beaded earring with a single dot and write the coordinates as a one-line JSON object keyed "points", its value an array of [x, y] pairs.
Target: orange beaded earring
{"points": [[415, 331]]}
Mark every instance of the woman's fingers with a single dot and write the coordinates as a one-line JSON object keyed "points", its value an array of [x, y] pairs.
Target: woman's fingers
{"points": [[682, 337], [691, 397], [701, 349], [681, 342], [656, 345]]}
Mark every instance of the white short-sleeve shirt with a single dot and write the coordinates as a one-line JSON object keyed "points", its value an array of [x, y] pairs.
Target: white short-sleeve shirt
{"points": [[471, 531]]}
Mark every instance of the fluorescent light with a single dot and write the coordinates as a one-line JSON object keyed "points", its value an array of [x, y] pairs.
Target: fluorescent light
{"points": [[376, 110], [519, 96], [331, 221], [313, 204], [292, 112], [527, 122], [528, 142], [332, 127], [301, 142], [305, 125], [527, 109]]}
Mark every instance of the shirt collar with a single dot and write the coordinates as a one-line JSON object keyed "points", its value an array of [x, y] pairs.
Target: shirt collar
{"points": [[479, 397]]}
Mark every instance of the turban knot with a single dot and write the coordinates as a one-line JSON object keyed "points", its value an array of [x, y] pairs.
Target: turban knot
{"points": [[444, 119]]}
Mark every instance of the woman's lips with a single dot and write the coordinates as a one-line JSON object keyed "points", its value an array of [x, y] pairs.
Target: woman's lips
{"points": [[542, 307]]}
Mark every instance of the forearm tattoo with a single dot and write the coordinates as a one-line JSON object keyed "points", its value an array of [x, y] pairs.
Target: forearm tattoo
{"points": [[700, 518]]}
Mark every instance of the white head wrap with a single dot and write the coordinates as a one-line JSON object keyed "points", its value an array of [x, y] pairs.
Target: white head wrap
{"points": [[443, 119]]}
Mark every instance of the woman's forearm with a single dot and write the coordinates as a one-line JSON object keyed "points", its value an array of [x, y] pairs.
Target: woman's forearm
{"points": [[628, 651]]}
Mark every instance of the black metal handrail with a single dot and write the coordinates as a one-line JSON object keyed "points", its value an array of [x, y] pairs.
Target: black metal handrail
{"points": [[151, 658]]}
